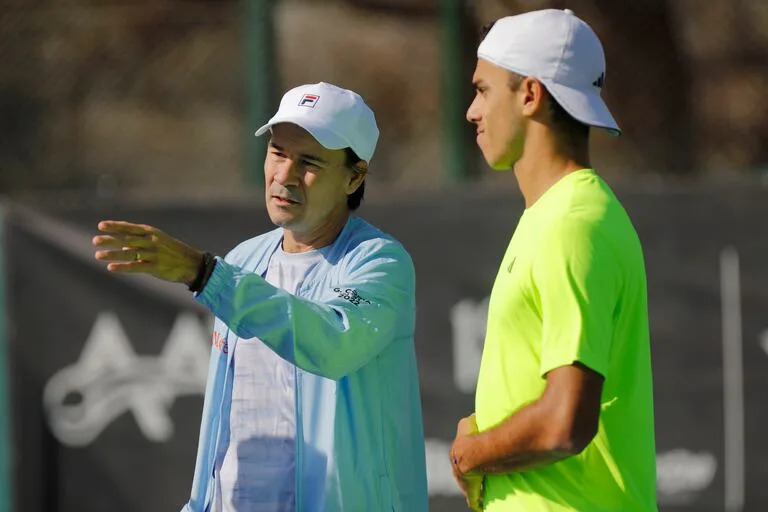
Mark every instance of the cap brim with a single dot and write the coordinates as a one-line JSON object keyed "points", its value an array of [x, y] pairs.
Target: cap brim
{"points": [[327, 138], [585, 106]]}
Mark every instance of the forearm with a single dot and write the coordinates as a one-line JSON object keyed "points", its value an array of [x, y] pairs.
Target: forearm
{"points": [[523, 441], [331, 338]]}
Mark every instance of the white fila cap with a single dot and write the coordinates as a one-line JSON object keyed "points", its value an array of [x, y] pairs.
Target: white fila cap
{"points": [[337, 118], [562, 52]]}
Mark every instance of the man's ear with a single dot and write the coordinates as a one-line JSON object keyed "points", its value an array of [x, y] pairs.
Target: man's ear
{"points": [[360, 171], [534, 96]]}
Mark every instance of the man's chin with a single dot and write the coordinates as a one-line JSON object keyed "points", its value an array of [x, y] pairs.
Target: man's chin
{"points": [[281, 219], [498, 163], [501, 165]]}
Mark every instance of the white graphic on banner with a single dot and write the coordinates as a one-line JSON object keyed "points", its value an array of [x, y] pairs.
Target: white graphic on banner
{"points": [[440, 480], [681, 475], [468, 323], [109, 379], [764, 341]]}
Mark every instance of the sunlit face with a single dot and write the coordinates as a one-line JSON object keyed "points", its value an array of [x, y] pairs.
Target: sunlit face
{"points": [[306, 184], [496, 112]]}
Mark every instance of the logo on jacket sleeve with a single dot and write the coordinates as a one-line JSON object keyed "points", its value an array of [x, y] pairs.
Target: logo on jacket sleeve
{"points": [[351, 295]]}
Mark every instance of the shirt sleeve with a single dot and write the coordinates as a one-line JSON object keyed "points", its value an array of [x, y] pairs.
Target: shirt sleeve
{"points": [[334, 336], [577, 275]]}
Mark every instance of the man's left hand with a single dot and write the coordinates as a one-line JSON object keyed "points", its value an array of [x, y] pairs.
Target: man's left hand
{"points": [[141, 248], [471, 484]]}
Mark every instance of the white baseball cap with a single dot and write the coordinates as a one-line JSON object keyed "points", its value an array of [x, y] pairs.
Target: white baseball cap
{"points": [[337, 118], [562, 52]]}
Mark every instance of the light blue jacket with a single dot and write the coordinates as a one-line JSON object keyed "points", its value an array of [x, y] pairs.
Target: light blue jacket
{"points": [[349, 332]]}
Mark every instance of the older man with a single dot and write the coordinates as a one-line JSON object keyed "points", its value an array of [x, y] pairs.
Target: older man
{"points": [[312, 401]]}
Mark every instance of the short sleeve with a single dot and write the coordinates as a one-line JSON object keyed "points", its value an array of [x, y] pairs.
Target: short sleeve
{"points": [[577, 275]]}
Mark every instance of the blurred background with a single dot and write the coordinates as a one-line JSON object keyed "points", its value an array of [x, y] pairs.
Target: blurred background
{"points": [[145, 110]]}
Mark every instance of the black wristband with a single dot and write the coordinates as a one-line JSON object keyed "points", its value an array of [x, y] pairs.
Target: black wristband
{"points": [[204, 272]]}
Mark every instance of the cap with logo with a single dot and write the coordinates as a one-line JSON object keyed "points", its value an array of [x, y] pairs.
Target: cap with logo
{"points": [[562, 52], [337, 118]]}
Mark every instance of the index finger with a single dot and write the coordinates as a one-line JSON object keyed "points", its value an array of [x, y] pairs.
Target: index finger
{"points": [[120, 226]]}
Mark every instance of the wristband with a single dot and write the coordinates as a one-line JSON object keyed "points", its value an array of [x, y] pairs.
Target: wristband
{"points": [[204, 271]]}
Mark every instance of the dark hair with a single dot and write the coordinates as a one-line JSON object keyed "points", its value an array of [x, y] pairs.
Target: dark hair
{"points": [[486, 28], [565, 123], [357, 164], [562, 121]]}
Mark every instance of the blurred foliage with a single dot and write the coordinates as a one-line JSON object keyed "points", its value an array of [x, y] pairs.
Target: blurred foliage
{"points": [[118, 96]]}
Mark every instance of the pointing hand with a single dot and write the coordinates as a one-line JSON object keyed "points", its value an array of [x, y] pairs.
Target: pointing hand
{"points": [[141, 248]]}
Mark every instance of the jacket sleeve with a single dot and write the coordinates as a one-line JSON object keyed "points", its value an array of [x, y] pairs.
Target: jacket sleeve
{"points": [[331, 337]]}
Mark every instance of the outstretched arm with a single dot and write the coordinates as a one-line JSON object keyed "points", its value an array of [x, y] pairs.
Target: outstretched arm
{"points": [[331, 337], [347, 326]]}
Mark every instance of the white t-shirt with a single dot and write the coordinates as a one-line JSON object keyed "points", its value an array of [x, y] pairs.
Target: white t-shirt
{"points": [[256, 468]]}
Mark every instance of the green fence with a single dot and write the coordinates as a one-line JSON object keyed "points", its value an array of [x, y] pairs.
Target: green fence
{"points": [[6, 448]]}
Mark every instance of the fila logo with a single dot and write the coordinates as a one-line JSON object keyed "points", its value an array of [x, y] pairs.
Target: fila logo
{"points": [[309, 100]]}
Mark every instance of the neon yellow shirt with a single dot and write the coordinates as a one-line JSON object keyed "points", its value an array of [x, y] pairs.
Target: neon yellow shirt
{"points": [[572, 287]]}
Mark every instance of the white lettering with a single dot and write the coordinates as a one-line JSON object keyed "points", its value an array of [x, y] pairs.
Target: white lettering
{"points": [[680, 474], [439, 475], [468, 322]]}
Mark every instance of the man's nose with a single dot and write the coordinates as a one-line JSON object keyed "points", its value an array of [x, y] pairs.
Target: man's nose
{"points": [[286, 174], [473, 112]]}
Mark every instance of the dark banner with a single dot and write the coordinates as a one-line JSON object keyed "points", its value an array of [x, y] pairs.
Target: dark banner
{"points": [[108, 373], [107, 377]]}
